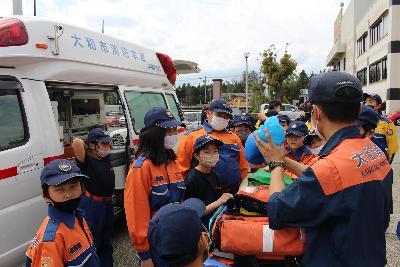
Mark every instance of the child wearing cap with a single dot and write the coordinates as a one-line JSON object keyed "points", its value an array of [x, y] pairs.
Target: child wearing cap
{"points": [[64, 238], [242, 127], [232, 167], [295, 148], [92, 158], [153, 180], [201, 182], [367, 121], [385, 135], [177, 236], [284, 121]]}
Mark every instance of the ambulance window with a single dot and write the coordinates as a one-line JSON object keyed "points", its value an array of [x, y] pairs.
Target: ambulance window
{"points": [[173, 106], [141, 102], [13, 130]]}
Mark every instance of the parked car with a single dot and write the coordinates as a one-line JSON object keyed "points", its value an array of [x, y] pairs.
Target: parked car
{"points": [[395, 118], [122, 121], [113, 121], [119, 137]]}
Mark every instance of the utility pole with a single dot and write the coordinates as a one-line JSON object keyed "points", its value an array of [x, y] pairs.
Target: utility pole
{"points": [[246, 56], [102, 27], [205, 89], [34, 8]]}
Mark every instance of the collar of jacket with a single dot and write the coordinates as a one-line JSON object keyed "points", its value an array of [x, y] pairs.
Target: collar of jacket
{"points": [[339, 136], [67, 218]]}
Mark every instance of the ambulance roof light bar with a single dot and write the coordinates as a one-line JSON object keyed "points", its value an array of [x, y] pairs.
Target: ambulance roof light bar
{"points": [[12, 32], [168, 67]]}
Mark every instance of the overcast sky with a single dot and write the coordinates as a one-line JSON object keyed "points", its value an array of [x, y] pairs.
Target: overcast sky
{"points": [[213, 33]]}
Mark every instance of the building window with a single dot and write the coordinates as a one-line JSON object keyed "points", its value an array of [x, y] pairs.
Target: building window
{"points": [[379, 29], [337, 66], [362, 76], [384, 68], [362, 44], [378, 70]]}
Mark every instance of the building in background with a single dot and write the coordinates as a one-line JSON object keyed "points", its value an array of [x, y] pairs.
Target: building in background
{"points": [[367, 45]]}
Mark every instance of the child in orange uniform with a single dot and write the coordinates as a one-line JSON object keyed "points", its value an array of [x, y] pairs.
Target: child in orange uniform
{"points": [[64, 238]]}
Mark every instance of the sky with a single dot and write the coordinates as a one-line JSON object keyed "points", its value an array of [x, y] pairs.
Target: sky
{"points": [[213, 33]]}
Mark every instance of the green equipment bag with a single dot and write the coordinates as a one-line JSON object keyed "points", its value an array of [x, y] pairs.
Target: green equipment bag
{"points": [[262, 177]]}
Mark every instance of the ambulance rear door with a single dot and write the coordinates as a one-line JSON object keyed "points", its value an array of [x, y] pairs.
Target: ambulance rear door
{"points": [[21, 160]]}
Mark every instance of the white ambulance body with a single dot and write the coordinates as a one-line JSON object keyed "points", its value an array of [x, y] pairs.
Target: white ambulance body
{"points": [[55, 81]]}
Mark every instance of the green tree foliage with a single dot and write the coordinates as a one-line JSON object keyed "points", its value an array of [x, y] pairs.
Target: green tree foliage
{"points": [[277, 71]]}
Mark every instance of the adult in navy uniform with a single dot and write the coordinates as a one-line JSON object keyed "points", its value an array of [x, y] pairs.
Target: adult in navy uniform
{"points": [[92, 159], [340, 200]]}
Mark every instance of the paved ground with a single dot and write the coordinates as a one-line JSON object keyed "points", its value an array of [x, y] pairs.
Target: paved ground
{"points": [[124, 254]]}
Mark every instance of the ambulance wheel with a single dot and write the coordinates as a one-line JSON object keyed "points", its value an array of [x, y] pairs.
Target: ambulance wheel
{"points": [[397, 122]]}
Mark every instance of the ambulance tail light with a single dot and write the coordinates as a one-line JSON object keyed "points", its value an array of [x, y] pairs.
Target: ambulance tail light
{"points": [[12, 32], [168, 67]]}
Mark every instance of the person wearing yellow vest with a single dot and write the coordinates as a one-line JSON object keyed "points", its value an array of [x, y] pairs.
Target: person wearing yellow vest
{"points": [[385, 135], [341, 199]]}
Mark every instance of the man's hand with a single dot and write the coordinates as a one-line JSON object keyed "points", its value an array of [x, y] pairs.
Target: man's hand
{"points": [[147, 263], [269, 150]]}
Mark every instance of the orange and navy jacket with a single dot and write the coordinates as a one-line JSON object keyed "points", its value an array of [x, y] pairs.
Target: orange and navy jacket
{"points": [[232, 166], [303, 155], [341, 201], [149, 187], [63, 239], [385, 137]]}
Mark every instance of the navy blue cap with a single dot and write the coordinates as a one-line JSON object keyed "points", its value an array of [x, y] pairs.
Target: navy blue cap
{"points": [[241, 119], [59, 171], [283, 117], [161, 117], [376, 97], [335, 87], [220, 105], [175, 231], [298, 128], [205, 139], [98, 135], [367, 116]]}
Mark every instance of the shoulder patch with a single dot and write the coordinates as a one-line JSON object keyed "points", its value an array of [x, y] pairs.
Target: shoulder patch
{"points": [[193, 129], [389, 132], [51, 230], [139, 162]]}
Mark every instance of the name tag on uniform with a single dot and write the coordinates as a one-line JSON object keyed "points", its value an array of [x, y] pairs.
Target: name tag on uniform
{"points": [[75, 248]]}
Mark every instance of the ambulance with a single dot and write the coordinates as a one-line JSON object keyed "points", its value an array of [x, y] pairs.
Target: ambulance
{"points": [[56, 81]]}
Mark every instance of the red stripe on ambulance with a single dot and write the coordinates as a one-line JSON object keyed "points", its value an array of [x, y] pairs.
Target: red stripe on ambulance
{"points": [[9, 172]]}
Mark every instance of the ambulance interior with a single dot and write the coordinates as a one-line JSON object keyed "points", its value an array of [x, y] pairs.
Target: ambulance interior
{"points": [[77, 111]]}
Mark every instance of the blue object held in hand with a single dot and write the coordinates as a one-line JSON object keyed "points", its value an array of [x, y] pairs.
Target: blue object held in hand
{"points": [[275, 130], [251, 152]]}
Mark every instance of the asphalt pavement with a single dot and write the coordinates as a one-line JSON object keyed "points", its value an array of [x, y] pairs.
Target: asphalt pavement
{"points": [[124, 255]]}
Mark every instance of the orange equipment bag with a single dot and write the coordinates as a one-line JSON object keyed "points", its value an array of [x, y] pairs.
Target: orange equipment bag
{"points": [[241, 234]]}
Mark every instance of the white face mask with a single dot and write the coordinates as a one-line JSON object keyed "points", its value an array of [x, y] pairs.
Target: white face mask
{"points": [[209, 160], [218, 123], [316, 150], [170, 141], [315, 127]]}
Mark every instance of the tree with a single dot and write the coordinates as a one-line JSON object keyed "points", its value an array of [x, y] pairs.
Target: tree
{"points": [[277, 71], [303, 80]]}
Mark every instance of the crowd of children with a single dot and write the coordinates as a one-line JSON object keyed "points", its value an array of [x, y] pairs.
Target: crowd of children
{"points": [[209, 165]]}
